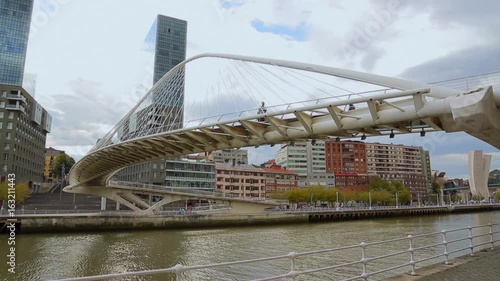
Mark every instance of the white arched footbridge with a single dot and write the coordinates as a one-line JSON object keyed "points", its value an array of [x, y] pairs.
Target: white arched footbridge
{"points": [[158, 126]]}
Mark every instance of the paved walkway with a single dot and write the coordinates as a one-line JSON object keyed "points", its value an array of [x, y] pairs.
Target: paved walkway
{"points": [[484, 266]]}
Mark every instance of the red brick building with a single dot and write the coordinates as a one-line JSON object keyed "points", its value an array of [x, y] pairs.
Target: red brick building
{"points": [[277, 178], [345, 157]]}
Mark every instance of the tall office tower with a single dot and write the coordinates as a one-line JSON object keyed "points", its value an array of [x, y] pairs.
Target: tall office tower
{"points": [[24, 123], [167, 38], [15, 19], [166, 41]]}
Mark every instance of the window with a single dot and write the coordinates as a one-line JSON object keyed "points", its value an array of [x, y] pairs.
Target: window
{"points": [[11, 115], [9, 126], [2, 104], [4, 168], [4, 94], [1, 115], [5, 156]]}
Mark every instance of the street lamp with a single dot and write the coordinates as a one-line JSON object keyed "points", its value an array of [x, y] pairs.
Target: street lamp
{"points": [[62, 182], [370, 199], [337, 200]]}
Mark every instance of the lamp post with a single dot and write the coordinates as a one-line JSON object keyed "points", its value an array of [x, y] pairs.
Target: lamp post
{"points": [[62, 182], [370, 199], [337, 200]]}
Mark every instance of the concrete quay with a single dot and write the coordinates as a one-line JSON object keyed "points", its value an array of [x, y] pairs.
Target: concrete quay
{"points": [[483, 266], [83, 222]]}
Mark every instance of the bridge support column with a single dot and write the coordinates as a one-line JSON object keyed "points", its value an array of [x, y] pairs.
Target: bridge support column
{"points": [[479, 169], [103, 203]]}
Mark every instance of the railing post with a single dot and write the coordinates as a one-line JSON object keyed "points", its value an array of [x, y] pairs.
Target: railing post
{"points": [[179, 269], [293, 272], [471, 246], [364, 261], [491, 236], [445, 243], [411, 250]]}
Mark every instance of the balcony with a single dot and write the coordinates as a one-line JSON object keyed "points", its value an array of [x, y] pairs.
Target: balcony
{"points": [[15, 107], [16, 97]]}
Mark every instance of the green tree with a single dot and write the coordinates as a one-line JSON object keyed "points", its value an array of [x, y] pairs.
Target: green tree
{"points": [[497, 196], [477, 197], [377, 184], [435, 188], [298, 195], [278, 195], [58, 163], [21, 191], [331, 195], [317, 193]]}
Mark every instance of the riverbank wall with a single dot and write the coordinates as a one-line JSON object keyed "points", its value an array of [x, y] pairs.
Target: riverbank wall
{"points": [[96, 222]]}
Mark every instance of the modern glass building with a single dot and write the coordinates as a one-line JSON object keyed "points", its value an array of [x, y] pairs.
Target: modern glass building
{"points": [[167, 39], [15, 19]]}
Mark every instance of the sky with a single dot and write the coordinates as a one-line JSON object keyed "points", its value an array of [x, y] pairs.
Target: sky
{"points": [[91, 70]]}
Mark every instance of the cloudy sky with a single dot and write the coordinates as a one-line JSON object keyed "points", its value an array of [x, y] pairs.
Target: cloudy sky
{"points": [[90, 68]]}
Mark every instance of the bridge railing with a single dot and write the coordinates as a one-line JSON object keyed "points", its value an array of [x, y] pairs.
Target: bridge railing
{"points": [[411, 250], [470, 83]]}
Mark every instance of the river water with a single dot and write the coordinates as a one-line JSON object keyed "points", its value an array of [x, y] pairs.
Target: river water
{"points": [[55, 256]]}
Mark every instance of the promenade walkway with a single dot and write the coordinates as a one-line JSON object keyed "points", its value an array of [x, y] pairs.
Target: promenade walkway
{"points": [[484, 266]]}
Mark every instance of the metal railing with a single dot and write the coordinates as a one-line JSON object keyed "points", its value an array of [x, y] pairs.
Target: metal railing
{"points": [[416, 249]]}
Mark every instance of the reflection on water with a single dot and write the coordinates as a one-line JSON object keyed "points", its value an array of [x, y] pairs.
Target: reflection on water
{"points": [[53, 256]]}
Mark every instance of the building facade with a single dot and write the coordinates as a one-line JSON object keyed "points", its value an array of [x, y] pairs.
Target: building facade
{"points": [[15, 20], [50, 156], [277, 178], [189, 173], [426, 168], [235, 156], [307, 160], [344, 157], [347, 161], [24, 125], [398, 162], [242, 181]]}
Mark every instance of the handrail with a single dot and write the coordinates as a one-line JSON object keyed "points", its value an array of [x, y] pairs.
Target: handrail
{"points": [[469, 239]]}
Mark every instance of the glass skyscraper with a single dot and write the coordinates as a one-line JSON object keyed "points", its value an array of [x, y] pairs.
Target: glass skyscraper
{"points": [[15, 19], [167, 39]]}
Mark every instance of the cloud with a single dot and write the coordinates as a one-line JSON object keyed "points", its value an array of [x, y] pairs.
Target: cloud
{"points": [[83, 115], [229, 4], [466, 62], [297, 33]]}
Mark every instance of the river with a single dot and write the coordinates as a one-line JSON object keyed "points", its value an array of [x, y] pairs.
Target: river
{"points": [[54, 256]]}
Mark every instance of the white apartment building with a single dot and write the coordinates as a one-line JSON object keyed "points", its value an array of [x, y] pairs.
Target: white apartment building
{"points": [[307, 160]]}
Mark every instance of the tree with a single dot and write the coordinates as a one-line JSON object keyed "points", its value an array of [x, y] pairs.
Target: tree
{"points": [[497, 196], [278, 195], [477, 197], [59, 161], [21, 191], [298, 195], [377, 184], [435, 188]]}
